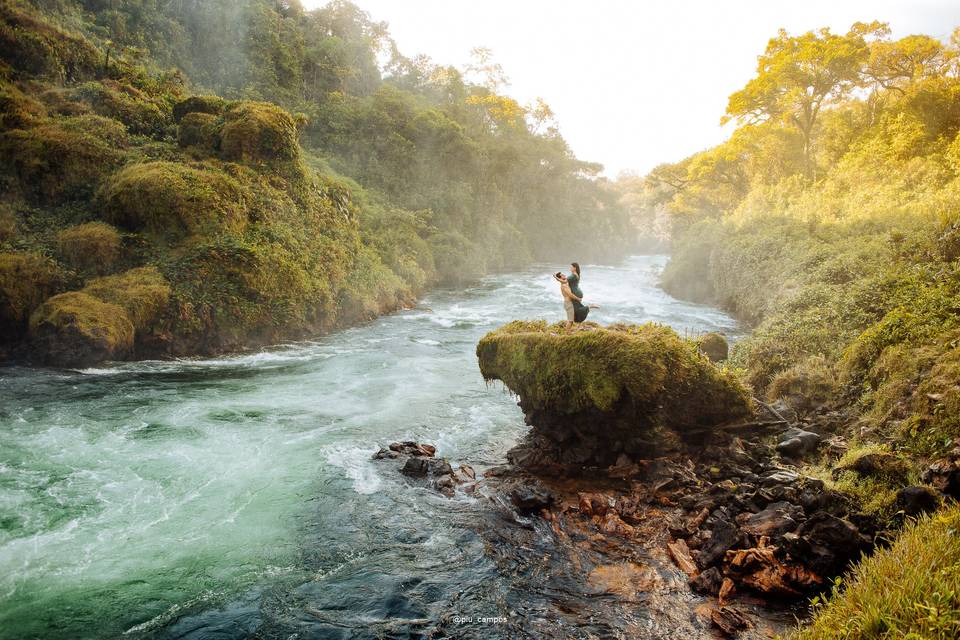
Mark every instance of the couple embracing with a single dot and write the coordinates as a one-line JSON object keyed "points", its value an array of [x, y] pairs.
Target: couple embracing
{"points": [[573, 295]]}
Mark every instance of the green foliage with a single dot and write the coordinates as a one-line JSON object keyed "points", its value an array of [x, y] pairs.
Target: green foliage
{"points": [[173, 200], [34, 47], [141, 113], [142, 293], [662, 378], [910, 590], [806, 385], [208, 105], [76, 329], [63, 159], [18, 110], [199, 130], [92, 247], [258, 132], [26, 280], [714, 346]]}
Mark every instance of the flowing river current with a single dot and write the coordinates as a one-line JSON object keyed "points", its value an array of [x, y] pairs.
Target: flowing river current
{"points": [[236, 496]]}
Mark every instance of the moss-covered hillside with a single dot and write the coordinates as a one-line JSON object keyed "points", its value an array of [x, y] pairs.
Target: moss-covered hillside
{"points": [[143, 215]]}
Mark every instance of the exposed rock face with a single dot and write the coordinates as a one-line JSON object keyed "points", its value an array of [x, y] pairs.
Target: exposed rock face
{"points": [[599, 396]]}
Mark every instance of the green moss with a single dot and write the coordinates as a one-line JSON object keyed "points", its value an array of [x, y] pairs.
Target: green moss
{"points": [[210, 105], [199, 130], [143, 293], [26, 280], [141, 113], [649, 368], [34, 47], [92, 247], [909, 591], [8, 223], [76, 329], [17, 109], [64, 159], [174, 200], [259, 132], [714, 346]]}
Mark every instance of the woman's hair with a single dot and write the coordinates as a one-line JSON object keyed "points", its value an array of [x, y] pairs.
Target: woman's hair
{"points": [[576, 267]]}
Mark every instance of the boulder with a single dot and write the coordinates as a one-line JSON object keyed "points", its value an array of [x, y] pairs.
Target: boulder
{"points": [[603, 396], [77, 330], [724, 537], [708, 583], [714, 346], [944, 475], [424, 467], [797, 442], [827, 544], [917, 500]]}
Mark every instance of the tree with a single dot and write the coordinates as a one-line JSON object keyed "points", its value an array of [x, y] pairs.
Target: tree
{"points": [[797, 76]]}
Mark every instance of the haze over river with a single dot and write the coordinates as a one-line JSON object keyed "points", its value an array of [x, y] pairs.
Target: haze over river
{"points": [[220, 498]]}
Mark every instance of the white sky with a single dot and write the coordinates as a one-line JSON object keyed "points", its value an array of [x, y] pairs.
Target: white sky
{"points": [[633, 84]]}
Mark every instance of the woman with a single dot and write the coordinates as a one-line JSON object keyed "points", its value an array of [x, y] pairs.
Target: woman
{"points": [[572, 302]]}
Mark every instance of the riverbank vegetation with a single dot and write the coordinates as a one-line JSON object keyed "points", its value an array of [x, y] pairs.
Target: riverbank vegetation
{"points": [[830, 222], [275, 172]]}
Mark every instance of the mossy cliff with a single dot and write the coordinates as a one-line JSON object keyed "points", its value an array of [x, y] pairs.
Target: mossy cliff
{"points": [[596, 393], [157, 204]]}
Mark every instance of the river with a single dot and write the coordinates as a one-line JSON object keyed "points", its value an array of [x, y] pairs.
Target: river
{"points": [[226, 497]]}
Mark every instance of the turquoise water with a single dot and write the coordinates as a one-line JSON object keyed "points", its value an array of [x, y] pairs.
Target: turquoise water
{"points": [[218, 498]]}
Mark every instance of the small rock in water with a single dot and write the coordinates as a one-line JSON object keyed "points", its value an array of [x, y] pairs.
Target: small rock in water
{"points": [[423, 467]]}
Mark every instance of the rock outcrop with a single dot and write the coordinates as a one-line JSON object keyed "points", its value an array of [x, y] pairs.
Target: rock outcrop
{"points": [[603, 396]]}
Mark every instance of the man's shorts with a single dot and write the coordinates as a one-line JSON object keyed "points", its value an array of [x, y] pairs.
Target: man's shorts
{"points": [[568, 307]]}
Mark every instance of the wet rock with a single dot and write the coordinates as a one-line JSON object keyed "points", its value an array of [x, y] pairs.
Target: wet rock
{"points": [[405, 448], [467, 472], [426, 467], [774, 521], [530, 497], [827, 544], [780, 476], [708, 582], [681, 556], [917, 500], [730, 621], [723, 538], [593, 504]]}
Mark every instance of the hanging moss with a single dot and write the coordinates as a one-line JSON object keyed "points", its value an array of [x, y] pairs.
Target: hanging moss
{"points": [[92, 247], [647, 371], [210, 105], [143, 293], [174, 200], [26, 280], [76, 329]]}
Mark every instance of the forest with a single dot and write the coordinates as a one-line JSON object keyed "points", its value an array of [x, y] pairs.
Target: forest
{"points": [[196, 177], [830, 221]]}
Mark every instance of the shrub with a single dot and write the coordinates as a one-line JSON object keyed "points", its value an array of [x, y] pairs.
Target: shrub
{"points": [[143, 293], [370, 290], [34, 47], [92, 247], [210, 105], [75, 329], [649, 368], [140, 113], [199, 130], [805, 386], [64, 159], [457, 259], [714, 346], [258, 132], [174, 200], [910, 590], [26, 280], [17, 109]]}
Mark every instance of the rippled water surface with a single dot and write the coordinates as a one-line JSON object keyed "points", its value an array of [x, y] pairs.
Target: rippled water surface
{"points": [[226, 497]]}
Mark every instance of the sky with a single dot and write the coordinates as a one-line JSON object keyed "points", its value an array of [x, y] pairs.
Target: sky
{"points": [[633, 83]]}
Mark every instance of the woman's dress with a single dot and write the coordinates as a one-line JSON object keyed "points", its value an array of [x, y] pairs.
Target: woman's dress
{"points": [[580, 310]]}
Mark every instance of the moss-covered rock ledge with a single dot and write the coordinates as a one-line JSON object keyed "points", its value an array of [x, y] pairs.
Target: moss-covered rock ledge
{"points": [[596, 393]]}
